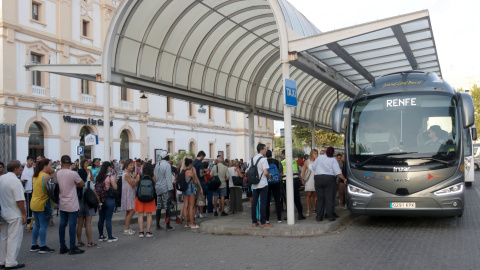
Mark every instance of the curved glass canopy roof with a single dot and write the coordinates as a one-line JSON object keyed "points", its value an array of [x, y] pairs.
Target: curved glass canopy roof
{"points": [[227, 54]]}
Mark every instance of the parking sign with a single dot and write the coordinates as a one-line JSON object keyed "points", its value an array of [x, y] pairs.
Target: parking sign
{"points": [[80, 150]]}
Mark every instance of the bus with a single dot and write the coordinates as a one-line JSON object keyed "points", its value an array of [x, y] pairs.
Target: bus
{"points": [[404, 138]]}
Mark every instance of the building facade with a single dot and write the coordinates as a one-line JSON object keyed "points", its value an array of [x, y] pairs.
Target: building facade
{"points": [[52, 113]]}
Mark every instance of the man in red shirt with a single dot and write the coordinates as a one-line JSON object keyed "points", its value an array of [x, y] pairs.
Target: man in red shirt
{"points": [[300, 161]]}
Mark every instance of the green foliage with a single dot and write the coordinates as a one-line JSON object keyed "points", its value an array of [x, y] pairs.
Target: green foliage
{"points": [[475, 92], [460, 89], [177, 158], [322, 137]]}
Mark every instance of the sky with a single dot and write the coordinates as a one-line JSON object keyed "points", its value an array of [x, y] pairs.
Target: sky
{"points": [[455, 24]]}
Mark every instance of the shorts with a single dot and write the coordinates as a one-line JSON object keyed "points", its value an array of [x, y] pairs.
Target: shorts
{"points": [[222, 192], [84, 210], [165, 200], [190, 190]]}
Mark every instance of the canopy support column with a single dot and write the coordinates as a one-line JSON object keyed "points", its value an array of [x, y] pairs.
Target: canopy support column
{"points": [[287, 115], [251, 133], [106, 124], [313, 136]]}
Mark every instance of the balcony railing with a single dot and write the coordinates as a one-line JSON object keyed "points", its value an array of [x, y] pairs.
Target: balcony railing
{"points": [[38, 90], [125, 104], [87, 98]]}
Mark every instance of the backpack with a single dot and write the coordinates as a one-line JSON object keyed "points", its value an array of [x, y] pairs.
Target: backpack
{"points": [[252, 173], [89, 197], [214, 182], [101, 192], [118, 200], [146, 189], [182, 183], [53, 190], [273, 170]]}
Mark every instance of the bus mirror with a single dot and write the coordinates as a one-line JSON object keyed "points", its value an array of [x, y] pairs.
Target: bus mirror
{"points": [[468, 110], [474, 133], [340, 111]]}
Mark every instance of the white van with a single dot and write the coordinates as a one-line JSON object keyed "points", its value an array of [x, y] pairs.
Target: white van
{"points": [[468, 153], [476, 156]]}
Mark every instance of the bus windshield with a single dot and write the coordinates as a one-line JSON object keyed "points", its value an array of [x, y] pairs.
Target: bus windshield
{"points": [[421, 125]]}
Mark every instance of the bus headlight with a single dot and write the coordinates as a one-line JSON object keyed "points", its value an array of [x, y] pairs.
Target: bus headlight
{"points": [[455, 189], [358, 191]]}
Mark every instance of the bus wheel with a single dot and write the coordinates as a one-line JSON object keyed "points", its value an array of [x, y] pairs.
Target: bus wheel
{"points": [[468, 184], [476, 167]]}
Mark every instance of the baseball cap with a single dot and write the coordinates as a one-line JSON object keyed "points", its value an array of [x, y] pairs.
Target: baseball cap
{"points": [[164, 153], [66, 159]]}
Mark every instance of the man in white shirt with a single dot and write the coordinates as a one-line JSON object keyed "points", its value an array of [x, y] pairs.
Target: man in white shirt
{"points": [[13, 217], [27, 178], [260, 189]]}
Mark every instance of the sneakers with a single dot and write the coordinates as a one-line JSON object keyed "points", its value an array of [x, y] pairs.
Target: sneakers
{"points": [[45, 250], [216, 213], [102, 238], [280, 221], [129, 232], [345, 206], [149, 234], [35, 248], [64, 250], [202, 216], [141, 235], [224, 214], [75, 251], [197, 215], [112, 239]]}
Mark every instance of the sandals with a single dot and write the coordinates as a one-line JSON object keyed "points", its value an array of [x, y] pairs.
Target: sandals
{"points": [[314, 211], [51, 224], [91, 245], [195, 227], [308, 213], [81, 244]]}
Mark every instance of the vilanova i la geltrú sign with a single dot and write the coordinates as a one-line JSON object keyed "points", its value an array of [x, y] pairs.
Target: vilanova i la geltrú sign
{"points": [[88, 121]]}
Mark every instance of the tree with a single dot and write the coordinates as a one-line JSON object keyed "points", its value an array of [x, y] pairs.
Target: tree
{"points": [[322, 137], [475, 92], [460, 89]]}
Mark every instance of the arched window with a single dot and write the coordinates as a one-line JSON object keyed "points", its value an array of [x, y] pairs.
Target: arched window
{"points": [[35, 141], [87, 152], [191, 147], [124, 146]]}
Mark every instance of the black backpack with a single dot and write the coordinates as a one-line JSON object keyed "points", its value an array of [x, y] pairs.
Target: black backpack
{"points": [[252, 173], [214, 182], [182, 183], [53, 190], [89, 197], [146, 189]]}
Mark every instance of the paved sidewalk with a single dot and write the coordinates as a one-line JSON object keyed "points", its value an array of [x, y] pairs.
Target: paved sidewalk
{"points": [[241, 224]]}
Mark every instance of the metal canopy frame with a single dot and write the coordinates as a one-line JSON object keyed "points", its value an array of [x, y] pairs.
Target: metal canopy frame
{"points": [[236, 54]]}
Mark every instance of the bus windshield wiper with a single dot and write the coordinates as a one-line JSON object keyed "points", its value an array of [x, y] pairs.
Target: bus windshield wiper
{"points": [[360, 165], [449, 163]]}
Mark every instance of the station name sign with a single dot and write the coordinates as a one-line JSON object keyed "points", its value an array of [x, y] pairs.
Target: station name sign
{"points": [[88, 121]]}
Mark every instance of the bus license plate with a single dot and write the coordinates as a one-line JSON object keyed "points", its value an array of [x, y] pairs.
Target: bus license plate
{"points": [[402, 205]]}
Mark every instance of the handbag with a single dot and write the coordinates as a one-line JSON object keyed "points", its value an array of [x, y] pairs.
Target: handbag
{"points": [[200, 201], [89, 197], [308, 172], [237, 181], [47, 204], [112, 193], [215, 182]]}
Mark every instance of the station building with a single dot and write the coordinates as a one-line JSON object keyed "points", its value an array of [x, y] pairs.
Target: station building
{"points": [[53, 112]]}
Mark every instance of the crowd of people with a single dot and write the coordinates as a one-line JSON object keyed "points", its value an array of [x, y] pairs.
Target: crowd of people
{"points": [[116, 184]]}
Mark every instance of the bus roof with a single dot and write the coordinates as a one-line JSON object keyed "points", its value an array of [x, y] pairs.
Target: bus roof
{"points": [[413, 80]]}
